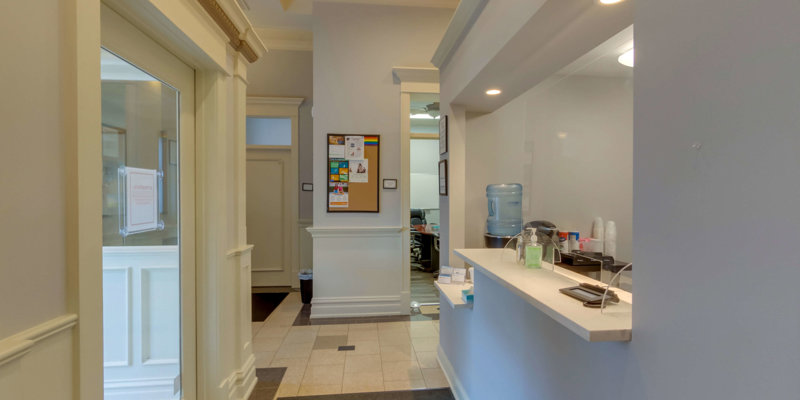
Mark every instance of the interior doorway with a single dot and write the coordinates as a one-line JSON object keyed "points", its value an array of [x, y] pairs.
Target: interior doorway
{"points": [[424, 201], [148, 217]]}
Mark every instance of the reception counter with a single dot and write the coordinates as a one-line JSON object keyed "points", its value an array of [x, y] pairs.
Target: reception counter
{"points": [[524, 339]]}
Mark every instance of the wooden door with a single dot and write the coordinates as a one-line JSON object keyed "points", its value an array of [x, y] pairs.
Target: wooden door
{"points": [[269, 214]]}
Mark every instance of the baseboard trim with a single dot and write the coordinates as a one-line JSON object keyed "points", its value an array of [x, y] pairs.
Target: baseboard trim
{"points": [[455, 384], [18, 345], [359, 306], [240, 383]]}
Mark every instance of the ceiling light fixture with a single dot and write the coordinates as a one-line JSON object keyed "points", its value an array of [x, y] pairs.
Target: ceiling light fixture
{"points": [[609, 2], [493, 92], [626, 58]]}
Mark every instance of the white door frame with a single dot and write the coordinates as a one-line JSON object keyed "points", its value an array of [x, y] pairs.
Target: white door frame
{"points": [[284, 107], [412, 80]]}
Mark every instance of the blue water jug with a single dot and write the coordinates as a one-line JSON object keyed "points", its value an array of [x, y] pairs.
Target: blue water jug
{"points": [[505, 209]]}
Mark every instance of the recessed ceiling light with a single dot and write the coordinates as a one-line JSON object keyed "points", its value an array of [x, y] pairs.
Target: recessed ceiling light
{"points": [[626, 58], [493, 92], [608, 2]]}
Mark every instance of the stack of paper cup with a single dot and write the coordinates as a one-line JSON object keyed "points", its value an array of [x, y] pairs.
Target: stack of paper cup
{"points": [[611, 239]]}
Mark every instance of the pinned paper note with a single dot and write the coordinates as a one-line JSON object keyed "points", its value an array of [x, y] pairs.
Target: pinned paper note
{"points": [[359, 171]]}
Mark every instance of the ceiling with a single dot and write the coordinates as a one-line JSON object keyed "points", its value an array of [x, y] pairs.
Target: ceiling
{"points": [[602, 60]]}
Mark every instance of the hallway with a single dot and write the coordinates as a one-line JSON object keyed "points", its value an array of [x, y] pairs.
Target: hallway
{"points": [[383, 356]]}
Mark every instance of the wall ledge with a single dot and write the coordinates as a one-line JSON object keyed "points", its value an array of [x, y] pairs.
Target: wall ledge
{"points": [[354, 231], [460, 24], [20, 344]]}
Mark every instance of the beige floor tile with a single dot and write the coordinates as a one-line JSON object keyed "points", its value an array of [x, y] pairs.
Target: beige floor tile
{"points": [[362, 327], [401, 371], [427, 359], [288, 389], [330, 342], [305, 328], [364, 347], [294, 350], [394, 338], [289, 362], [315, 390], [425, 343], [269, 331], [300, 337], [362, 363], [332, 330], [266, 344], [360, 382], [366, 334], [423, 331], [294, 374], [326, 357], [404, 385], [434, 378], [393, 326], [264, 358], [397, 353], [323, 374]]}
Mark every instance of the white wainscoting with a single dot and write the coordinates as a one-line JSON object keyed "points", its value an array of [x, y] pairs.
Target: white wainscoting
{"points": [[37, 363], [240, 383], [358, 271], [141, 322]]}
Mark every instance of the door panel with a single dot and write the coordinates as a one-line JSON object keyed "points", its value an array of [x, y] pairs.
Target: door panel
{"points": [[269, 215], [148, 275]]}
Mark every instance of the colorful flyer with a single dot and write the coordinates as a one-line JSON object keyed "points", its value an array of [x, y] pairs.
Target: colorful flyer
{"points": [[338, 196], [354, 147], [359, 171], [336, 139]]}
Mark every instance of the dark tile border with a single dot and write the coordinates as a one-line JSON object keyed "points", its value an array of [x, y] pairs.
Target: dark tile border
{"points": [[422, 394]]}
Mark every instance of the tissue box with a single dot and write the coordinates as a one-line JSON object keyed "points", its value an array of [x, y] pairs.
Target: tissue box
{"points": [[467, 295], [459, 275], [445, 274]]}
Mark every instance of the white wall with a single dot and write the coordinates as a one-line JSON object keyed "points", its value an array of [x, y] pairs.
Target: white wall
{"points": [[567, 180], [424, 155], [355, 48]]}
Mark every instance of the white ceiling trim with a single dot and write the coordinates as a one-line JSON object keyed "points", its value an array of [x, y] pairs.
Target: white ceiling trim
{"points": [[291, 101], [416, 74], [286, 39], [403, 3], [460, 24]]}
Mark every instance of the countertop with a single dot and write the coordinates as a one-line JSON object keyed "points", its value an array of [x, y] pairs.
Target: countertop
{"points": [[539, 287]]}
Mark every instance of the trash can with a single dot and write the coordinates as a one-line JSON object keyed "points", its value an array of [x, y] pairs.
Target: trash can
{"points": [[306, 285]]}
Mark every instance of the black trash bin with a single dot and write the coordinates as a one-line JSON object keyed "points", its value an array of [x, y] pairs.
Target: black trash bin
{"points": [[306, 286]]}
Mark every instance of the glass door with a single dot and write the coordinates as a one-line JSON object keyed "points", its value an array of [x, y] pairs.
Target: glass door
{"points": [[148, 217]]}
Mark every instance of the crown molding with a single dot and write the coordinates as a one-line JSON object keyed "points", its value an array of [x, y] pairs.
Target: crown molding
{"points": [[286, 39], [416, 74], [460, 24], [287, 101], [231, 19]]}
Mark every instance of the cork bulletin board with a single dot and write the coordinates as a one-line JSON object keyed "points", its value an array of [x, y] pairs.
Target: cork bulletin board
{"points": [[353, 171]]}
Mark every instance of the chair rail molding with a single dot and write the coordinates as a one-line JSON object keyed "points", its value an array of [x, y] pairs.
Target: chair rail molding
{"points": [[17, 346]]}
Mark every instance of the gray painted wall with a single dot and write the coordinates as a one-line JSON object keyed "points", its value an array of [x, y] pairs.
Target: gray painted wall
{"points": [[716, 305], [285, 73]]}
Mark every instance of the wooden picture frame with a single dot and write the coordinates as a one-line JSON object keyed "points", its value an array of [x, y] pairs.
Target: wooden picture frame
{"points": [[442, 134], [356, 189], [443, 178]]}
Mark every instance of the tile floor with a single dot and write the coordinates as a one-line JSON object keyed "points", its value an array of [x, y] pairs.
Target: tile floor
{"points": [[388, 356]]}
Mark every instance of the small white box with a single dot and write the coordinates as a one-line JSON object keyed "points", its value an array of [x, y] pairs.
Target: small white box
{"points": [[445, 270], [444, 278], [459, 275]]}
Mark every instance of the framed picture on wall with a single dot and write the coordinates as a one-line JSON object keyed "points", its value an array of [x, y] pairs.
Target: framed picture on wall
{"points": [[443, 178], [443, 134]]}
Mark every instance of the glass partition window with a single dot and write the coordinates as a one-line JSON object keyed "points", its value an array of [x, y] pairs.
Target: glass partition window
{"points": [[269, 131], [141, 229]]}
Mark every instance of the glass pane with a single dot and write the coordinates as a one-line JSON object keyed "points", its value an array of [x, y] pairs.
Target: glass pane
{"points": [[269, 131], [141, 262]]}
